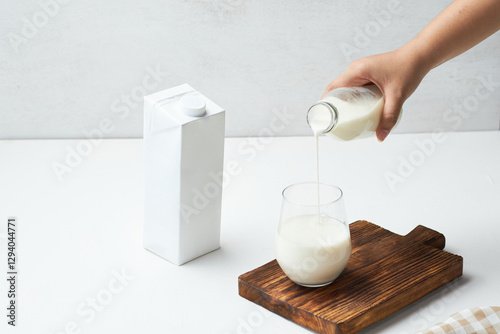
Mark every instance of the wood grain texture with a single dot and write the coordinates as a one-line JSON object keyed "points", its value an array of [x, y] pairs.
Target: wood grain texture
{"points": [[385, 273]]}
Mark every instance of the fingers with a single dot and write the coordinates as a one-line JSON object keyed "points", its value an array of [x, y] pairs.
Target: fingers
{"points": [[340, 81], [346, 80], [390, 115], [356, 75]]}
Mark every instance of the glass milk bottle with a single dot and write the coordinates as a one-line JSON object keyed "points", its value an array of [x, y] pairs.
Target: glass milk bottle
{"points": [[348, 112]]}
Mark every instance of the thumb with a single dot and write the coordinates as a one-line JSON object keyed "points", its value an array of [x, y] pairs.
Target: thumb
{"points": [[389, 117]]}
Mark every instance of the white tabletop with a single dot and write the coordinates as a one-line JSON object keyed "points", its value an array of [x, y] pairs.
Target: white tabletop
{"points": [[82, 267]]}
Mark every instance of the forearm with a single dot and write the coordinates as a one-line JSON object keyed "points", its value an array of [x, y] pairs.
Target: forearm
{"points": [[463, 24]]}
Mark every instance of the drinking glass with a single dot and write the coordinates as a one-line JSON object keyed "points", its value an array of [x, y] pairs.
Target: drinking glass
{"points": [[313, 243]]}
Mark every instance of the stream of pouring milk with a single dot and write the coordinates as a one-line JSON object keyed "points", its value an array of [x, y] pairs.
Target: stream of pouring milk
{"points": [[318, 125], [318, 128], [316, 138]]}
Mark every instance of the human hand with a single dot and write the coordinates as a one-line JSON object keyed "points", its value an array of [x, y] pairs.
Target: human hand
{"points": [[397, 74]]}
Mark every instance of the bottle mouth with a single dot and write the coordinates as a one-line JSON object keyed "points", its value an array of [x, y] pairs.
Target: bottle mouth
{"points": [[322, 117]]}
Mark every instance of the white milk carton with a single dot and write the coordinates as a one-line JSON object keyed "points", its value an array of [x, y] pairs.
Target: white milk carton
{"points": [[183, 166]]}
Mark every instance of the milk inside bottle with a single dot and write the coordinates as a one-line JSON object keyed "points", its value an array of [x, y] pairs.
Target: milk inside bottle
{"points": [[347, 113]]}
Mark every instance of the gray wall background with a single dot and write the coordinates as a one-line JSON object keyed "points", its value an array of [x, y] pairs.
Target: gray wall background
{"points": [[68, 68]]}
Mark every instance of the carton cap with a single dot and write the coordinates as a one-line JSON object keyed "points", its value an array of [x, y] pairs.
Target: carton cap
{"points": [[191, 105]]}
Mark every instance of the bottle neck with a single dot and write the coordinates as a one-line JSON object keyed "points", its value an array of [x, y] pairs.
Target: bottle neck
{"points": [[322, 117]]}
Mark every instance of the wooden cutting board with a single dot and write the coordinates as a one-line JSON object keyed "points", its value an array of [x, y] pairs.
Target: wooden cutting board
{"points": [[385, 273]]}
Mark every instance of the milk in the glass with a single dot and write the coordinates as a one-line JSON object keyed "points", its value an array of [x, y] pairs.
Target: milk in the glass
{"points": [[312, 252]]}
